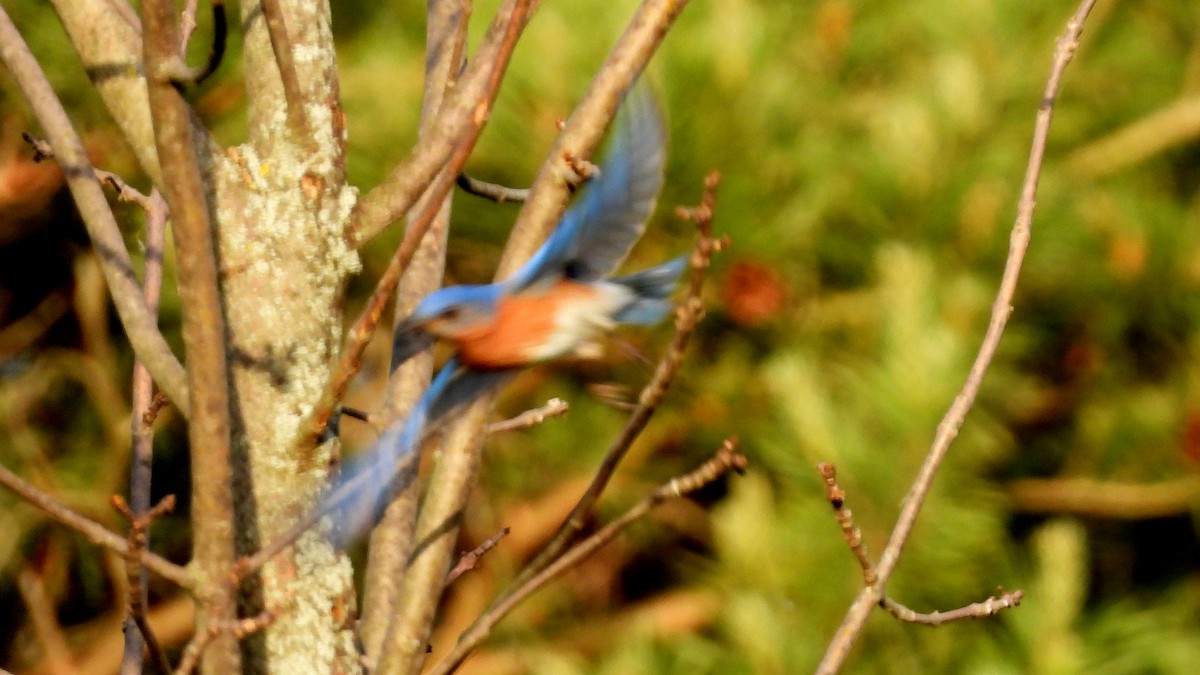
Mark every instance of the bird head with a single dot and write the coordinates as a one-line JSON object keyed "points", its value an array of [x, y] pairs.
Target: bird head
{"points": [[447, 314], [450, 312]]}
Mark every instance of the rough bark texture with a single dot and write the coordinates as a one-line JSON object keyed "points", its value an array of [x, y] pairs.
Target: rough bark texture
{"points": [[282, 210]]}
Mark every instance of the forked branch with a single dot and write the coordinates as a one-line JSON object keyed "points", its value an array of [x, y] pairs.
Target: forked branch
{"points": [[870, 595]]}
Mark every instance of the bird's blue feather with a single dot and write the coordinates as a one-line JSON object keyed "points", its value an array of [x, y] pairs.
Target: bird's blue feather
{"points": [[597, 232], [372, 474], [593, 238], [652, 288]]}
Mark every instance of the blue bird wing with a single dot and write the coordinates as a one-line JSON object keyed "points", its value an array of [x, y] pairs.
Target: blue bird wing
{"points": [[598, 231], [367, 483], [462, 387]]}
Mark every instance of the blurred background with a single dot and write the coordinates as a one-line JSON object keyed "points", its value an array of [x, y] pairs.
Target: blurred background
{"points": [[871, 156]]}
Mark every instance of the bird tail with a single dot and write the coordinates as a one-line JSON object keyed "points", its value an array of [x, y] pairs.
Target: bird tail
{"points": [[652, 288]]}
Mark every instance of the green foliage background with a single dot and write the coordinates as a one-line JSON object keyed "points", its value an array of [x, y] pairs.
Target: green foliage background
{"points": [[871, 156]]}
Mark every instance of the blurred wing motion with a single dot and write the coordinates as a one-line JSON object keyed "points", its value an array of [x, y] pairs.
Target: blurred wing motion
{"points": [[366, 484], [597, 232], [592, 239]]}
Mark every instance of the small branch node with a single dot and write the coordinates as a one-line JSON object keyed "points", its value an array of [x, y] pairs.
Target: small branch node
{"points": [[470, 560], [553, 408]]}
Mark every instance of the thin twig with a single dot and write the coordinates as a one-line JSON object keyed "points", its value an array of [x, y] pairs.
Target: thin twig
{"points": [[979, 610], [869, 596], [95, 532], [147, 341], [845, 519], [216, 51], [687, 316], [144, 405], [153, 204], [272, 12], [727, 459], [493, 191], [138, 538], [44, 619], [854, 539], [470, 560], [187, 24], [237, 628], [530, 418], [463, 113], [1105, 499]]}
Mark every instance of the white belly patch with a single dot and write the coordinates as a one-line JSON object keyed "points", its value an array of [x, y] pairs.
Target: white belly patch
{"points": [[579, 321]]}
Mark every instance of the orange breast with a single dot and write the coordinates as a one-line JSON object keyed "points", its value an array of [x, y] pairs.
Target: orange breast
{"points": [[523, 322]]}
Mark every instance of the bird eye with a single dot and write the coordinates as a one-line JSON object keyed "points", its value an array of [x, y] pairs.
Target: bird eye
{"points": [[450, 314]]}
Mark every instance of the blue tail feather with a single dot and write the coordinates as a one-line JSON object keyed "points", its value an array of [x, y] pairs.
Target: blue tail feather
{"points": [[653, 288]]}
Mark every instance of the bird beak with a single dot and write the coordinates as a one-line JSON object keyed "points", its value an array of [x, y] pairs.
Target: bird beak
{"points": [[409, 340]]}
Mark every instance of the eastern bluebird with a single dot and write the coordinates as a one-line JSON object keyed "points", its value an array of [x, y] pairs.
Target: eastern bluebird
{"points": [[556, 305]]}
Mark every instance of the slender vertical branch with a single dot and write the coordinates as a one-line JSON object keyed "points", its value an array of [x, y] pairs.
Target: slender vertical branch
{"points": [[148, 343], [869, 596], [136, 622], [142, 429], [282, 47], [437, 528], [203, 326], [391, 540]]}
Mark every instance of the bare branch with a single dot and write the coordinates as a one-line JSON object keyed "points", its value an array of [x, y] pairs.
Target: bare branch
{"points": [[492, 191], [153, 204], [854, 540], [856, 617], [461, 116], [531, 418], [979, 610], [204, 324], [687, 316], [187, 24], [470, 560], [845, 519], [95, 532], [727, 459], [280, 44], [236, 629], [44, 619], [148, 343], [139, 527], [144, 411]]}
